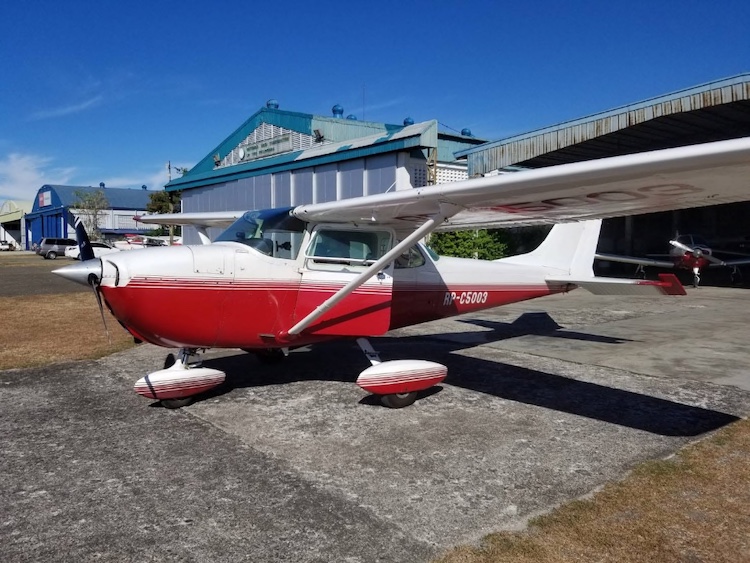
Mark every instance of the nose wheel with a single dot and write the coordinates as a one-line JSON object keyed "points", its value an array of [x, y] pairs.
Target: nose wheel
{"points": [[172, 404], [180, 381]]}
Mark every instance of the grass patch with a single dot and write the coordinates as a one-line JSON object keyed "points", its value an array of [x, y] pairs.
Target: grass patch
{"points": [[692, 507], [39, 330], [12, 259]]}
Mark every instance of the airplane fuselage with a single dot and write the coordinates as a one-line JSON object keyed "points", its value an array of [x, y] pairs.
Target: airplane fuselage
{"points": [[688, 261], [230, 296]]}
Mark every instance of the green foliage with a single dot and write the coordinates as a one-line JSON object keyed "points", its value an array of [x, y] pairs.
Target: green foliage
{"points": [[163, 202], [91, 206], [483, 244]]}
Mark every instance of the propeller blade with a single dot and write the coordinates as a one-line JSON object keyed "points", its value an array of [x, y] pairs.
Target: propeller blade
{"points": [[84, 244], [94, 283], [698, 252], [684, 247]]}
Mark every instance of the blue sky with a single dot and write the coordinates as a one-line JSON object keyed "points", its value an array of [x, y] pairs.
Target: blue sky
{"points": [[103, 91]]}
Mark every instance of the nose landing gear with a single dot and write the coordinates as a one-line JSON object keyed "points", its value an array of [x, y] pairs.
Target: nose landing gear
{"points": [[177, 384]]}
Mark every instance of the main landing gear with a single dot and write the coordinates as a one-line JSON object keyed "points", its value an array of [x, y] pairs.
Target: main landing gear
{"points": [[397, 382], [270, 356]]}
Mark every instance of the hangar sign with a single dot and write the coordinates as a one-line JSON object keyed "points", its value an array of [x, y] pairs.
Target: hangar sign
{"points": [[269, 147]]}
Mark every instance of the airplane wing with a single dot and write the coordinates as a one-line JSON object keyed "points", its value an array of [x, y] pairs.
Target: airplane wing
{"points": [[208, 219], [678, 178], [738, 262], [634, 260], [201, 221]]}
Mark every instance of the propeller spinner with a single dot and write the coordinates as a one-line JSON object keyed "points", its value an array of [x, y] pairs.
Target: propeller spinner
{"points": [[697, 252]]}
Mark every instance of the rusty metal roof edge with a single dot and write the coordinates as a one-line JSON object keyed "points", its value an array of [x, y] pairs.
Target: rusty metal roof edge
{"points": [[702, 88]]}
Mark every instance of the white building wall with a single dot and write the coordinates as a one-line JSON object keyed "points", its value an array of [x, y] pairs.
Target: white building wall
{"points": [[328, 182]]}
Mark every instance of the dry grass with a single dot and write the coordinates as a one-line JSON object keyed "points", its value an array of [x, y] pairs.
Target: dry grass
{"points": [[694, 507], [11, 259], [43, 329]]}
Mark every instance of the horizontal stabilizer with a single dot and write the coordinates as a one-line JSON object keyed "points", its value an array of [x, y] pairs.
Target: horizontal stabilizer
{"points": [[634, 260], [668, 284]]}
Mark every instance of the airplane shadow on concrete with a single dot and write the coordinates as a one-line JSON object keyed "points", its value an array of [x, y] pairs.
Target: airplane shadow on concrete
{"points": [[342, 360]]}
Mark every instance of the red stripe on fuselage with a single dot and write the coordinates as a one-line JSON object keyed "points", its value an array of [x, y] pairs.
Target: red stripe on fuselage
{"points": [[216, 313], [416, 304]]}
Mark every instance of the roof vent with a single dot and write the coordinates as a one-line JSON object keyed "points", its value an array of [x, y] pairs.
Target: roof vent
{"points": [[351, 117], [338, 111], [408, 121], [272, 104], [466, 132]]}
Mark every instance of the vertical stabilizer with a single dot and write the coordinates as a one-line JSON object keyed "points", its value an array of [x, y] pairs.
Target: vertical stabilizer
{"points": [[569, 248]]}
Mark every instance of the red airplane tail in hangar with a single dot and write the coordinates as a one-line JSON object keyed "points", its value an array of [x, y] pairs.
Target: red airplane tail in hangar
{"points": [[281, 278]]}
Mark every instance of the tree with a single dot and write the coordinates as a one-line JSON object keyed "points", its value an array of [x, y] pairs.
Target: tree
{"points": [[483, 244], [164, 202], [91, 206]]}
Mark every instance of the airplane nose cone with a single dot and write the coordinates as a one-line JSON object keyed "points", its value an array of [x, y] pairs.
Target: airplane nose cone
{"points": [[82, 271]]}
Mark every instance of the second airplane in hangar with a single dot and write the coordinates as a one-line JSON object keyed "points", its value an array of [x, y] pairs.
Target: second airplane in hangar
{"points": [[282, 278], [687, 252]]}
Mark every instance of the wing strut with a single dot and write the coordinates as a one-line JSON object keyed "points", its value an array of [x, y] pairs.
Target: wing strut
{"points": [[427, 227]]}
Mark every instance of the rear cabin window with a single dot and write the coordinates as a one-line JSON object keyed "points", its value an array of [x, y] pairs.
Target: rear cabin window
{"points": [[411, 258]]}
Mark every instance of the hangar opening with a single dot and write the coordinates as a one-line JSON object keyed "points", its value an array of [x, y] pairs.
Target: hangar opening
{"points": [[715, 111]]}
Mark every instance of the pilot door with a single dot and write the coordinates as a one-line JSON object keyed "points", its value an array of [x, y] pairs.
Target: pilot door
{"points": [[334, 257]]}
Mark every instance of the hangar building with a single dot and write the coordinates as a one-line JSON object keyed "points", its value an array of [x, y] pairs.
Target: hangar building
{"points": [[13, 223], [52, 214], [279, 158], [714, 111]]}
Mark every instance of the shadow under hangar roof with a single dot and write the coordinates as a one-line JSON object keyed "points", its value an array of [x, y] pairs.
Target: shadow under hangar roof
{"points": [[714, 111]]}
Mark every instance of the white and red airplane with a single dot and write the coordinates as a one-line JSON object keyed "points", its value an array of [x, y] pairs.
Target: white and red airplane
{"points": [[283, 278], [138, 242], [687, 252]]}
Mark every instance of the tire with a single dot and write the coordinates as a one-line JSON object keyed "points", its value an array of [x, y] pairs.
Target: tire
{"points": [[398, 400], [176, 403], [52, 255], [169, 361]]}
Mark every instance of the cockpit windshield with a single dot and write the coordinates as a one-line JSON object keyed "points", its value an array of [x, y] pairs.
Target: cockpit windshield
{"points": [[274, 232]]}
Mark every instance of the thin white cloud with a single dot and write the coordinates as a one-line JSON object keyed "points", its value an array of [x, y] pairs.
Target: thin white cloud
{"points": [[21, 175], [154, 179], [67, 110]]}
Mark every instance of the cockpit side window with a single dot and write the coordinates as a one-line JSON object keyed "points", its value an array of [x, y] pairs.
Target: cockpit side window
{"points": [[273, 232]]}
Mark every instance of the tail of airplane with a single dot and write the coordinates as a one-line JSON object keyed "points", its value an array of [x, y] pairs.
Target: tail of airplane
{"points": [[568, 253], [568, 248]]}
